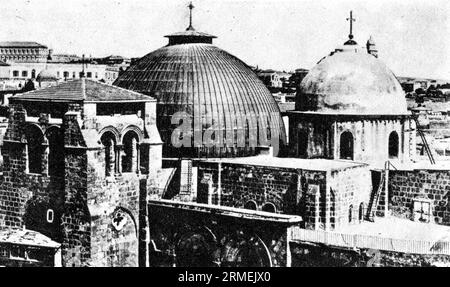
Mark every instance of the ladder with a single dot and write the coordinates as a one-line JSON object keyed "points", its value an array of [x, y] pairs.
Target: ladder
{"points": [[425, 143], [374, 200]]}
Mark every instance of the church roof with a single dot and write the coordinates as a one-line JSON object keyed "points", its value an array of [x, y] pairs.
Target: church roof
{"points": [[83, 90], [21, 44]]}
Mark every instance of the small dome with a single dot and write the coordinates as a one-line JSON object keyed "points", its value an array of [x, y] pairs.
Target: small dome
{"points": [[46, 76], [351, 81]]}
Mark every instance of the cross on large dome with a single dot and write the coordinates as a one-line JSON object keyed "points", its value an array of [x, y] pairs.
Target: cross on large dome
{"points": [[215, 88]]}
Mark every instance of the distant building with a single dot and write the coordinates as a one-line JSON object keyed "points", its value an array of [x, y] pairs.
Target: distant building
{"points": [[270, 78], [23, 52], [15, 75], [64, 58]]}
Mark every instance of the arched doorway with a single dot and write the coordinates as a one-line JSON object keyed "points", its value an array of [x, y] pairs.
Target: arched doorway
{"points": [[346, 146], [195, 249], [302, 143], [393, 145], [241, 250], [123, 244]]}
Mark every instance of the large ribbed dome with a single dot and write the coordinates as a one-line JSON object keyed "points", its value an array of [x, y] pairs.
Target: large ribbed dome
{"points": [[351, 81], [215, 88]]}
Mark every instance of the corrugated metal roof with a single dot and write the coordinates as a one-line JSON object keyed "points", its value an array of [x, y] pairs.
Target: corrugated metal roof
{"points": [[83, 90], [211, 85]]}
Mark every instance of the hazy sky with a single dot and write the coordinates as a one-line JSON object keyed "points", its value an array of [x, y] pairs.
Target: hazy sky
{"points": [[413, 37]]}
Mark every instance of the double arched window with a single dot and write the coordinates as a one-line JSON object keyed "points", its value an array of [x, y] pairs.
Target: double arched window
{"points": [[49, 146], [124, 157]]}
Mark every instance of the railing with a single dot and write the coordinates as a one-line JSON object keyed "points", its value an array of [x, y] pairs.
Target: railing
{"points": [[355, 241]]}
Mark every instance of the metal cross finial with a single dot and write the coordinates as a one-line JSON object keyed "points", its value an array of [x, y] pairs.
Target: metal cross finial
{"points": [[351, 19], [190, 6]]}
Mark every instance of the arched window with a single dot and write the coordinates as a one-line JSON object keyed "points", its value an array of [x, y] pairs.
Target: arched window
{"points": [[33, 74], [250, 205], [393, 145], [350, 213], [35, 139], [130, 159], [269, 207], [109, 145], [56, 152], [361, 211], [346, 146]]}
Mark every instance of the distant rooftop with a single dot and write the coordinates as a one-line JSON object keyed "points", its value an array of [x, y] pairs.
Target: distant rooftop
{"points": [[21, 44], [295, 163], [83, 90]]}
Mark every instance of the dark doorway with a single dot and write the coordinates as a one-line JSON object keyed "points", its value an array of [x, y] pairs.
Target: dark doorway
{"points": [[56, 165], [393, 145], [303, 144], [346, 146]]}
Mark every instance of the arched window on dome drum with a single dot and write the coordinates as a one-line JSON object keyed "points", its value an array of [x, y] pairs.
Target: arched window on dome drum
{"points": [[56, 151], [269, 207], [346, 146], [393, 145], [130, 159], [361, 211], [109, 145], [35, 148], [250, 205], [350, 213]]}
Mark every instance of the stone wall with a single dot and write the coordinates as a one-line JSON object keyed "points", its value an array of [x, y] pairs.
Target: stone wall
{"points": [[96, 218], [406, 186], [322, 198]]}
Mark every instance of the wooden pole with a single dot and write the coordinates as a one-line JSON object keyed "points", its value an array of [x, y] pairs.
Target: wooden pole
{"points": [[386, 189]]}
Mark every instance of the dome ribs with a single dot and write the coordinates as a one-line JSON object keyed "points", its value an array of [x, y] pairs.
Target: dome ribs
{"points": [[214, 87]]}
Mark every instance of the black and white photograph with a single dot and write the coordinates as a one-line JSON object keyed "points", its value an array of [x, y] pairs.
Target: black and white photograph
{"points": [[232, 133]]}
